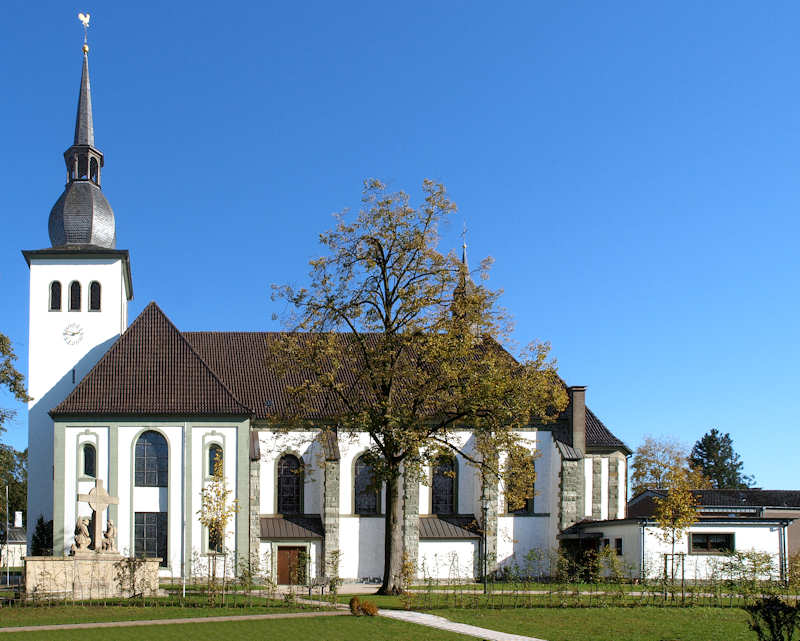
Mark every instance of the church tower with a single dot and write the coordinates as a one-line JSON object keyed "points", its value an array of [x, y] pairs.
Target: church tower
{"points": [[79, 293]]}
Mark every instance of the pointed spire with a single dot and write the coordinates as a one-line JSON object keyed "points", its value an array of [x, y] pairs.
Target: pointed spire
{"points": [[84, 128], [464, 256]]}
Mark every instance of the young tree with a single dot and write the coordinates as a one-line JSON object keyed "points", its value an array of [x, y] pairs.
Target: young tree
{"points": [[392, 338], [655, 459], [214, 514], [714, 456], [677, 511], [10, 378]]}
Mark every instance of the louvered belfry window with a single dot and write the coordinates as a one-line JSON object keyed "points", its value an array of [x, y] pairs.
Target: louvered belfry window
{"points": [[94, 296], [152, 465], [290, 485], [75, 296], [443, 486], [55, 296]]}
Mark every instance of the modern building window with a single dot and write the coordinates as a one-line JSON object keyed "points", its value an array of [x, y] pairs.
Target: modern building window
{"points": [[89, 460], [55, 296], [443, 486], [711, 543], [214, 453], [290, 485], [75, 296], [150, 535], [152, 465], [94, 296], [367, 492]]}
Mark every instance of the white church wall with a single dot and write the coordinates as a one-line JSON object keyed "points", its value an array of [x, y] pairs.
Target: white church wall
{"points": [[147, 499], [51, 359], [301, 443], [361, 547], [74, 481], [203, 436], [448, 560]]}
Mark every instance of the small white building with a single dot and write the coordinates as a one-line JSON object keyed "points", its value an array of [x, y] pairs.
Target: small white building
{"points": [[724, 542], [12, 548]]}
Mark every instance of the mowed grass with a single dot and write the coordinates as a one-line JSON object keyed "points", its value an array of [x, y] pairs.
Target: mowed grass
{"points": [[339, 628], [613, 624], [56, 614]]}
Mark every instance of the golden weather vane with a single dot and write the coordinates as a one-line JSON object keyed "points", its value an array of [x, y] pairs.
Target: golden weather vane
{"points": [[84, 18]]}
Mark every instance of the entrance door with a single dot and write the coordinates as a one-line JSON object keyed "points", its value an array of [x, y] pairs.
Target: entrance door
{"points": [[291, 565]]}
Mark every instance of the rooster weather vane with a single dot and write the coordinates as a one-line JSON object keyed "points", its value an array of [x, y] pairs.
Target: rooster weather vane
{"points": [[84, 18]]}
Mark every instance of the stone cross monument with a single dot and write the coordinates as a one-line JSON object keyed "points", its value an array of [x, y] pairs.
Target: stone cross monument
{"points": [[98, 499]]}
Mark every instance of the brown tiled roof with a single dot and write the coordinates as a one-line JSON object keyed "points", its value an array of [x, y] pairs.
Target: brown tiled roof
{"points": [[598, 435], [455, 526], [306, 526], [644, 504], [151, 370]]}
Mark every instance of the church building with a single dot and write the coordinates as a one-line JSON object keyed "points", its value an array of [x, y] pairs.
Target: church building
{"points": [[146, 409]]}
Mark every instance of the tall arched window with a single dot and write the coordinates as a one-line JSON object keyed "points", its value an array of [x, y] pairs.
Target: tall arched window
{"points": [[75, 296], [89, 460], [367, 492], [443, 486], [527, 507], [290, 485], [152, 465], [94, 296], [55, 296], [214, 452]]}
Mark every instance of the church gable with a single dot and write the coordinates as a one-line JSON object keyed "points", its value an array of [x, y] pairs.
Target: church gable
{"points": [[151, 370]]}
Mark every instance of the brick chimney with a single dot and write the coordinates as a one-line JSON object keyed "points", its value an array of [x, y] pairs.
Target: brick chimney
{"points": [[577, 416]]}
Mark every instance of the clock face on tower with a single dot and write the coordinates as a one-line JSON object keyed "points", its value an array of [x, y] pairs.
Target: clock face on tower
{"points": [[73, 334]]}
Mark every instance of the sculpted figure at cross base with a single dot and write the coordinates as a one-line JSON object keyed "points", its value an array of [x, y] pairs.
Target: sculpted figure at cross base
{"points": [[98, 500], [82, 537]]}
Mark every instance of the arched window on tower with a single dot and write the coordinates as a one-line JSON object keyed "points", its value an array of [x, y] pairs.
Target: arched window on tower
{"points": [[93, 167], [367, 491], [214, 453], [89, 454], [152, 465], [75, 296], [290, 485], [94, 296], [443, 485], [55, 296]]}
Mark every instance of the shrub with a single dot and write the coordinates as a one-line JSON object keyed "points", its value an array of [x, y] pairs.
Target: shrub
{"points": [[355, 606], [369, 608], [772, 619], [794, 570], [42, 540]]}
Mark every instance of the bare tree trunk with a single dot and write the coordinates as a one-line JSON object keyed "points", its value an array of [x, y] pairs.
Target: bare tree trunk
{"points": [[393, 536]]}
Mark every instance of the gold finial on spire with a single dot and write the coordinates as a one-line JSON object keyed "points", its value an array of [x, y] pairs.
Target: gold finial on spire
{"points": [[84, 18]]}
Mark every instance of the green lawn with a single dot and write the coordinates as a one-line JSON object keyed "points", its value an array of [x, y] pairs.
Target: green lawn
{"points": [[614, 624], [344, 628], [44, 615]]}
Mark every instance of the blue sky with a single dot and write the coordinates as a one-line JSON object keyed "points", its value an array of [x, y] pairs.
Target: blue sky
{"points": [[632, 168]]}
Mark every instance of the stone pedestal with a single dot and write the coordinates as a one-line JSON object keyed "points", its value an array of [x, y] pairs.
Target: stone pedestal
{"points": [[90, 575]]}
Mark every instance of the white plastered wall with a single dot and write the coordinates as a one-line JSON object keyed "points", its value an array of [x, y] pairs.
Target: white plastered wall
{"points": [[447, 559]]}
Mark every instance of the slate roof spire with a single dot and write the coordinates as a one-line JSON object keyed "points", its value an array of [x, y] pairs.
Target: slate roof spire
{"points": [[84, 127], [82, 215]]}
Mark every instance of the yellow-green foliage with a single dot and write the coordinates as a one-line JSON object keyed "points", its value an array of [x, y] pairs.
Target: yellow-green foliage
{"points": [[355, 606]]}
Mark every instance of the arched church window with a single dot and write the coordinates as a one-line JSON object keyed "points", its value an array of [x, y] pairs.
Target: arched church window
{"points": [[367, 492], [214, 453], [94, 296], [89, 460], [75, 296], [152, 465], [290, 485], [443, 486], [55, 296]]}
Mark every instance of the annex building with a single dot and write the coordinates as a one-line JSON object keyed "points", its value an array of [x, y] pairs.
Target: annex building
{"points": [[146, 408]]}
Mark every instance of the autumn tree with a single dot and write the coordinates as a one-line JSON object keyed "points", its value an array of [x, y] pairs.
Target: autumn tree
{"points": [[13, 463], [677, 511], [656, 459], [714, 456], [216, 510], [393, 339]]}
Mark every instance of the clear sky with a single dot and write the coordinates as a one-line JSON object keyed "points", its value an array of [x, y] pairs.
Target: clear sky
{"points": [[633, 168]]}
